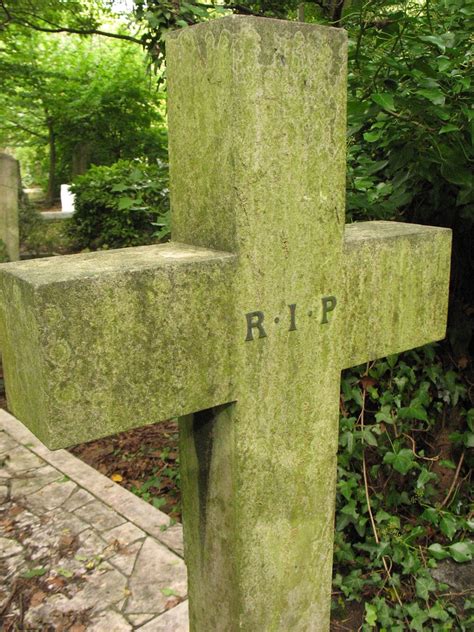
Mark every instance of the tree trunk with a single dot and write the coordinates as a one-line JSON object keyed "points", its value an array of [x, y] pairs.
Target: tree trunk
{"points": [[337, 7], [81, 158], [301, 12], [50, 193]]}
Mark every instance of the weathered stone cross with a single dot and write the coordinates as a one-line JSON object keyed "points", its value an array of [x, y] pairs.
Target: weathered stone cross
{"points": [[250, 325]]}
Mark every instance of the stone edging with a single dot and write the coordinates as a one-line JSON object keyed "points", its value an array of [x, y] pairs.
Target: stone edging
{"points": [[153, 521]]}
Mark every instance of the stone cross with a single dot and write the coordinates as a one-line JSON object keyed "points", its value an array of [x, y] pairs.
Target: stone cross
{"points": [[241, 325], [9, 195]]}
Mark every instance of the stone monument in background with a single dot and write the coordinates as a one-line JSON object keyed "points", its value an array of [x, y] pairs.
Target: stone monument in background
{"points": [[9, 195]]}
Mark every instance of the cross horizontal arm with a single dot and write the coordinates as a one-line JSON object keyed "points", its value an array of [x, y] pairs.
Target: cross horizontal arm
{"points": [[98, 343], [396, 280]]}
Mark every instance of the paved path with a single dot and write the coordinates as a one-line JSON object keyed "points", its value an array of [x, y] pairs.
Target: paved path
{"points": [[108, 561]]}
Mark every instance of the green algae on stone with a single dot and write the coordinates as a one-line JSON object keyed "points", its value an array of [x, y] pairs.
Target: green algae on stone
{"points": [[257, 166], [97, 343], [396, 278], [9, 192]]}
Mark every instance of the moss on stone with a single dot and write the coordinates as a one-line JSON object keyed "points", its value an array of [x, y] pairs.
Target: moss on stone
{"points": [[396, 279], [94, 344], [257, 137]]}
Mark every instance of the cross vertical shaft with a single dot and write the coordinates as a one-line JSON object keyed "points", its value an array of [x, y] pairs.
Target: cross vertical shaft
{"points": [[257, 157]]}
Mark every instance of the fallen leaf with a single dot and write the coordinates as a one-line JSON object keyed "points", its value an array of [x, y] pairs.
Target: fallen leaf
{"points": [[171, 603], [117, 478], [367, 382], [55, 583], [37, 598]]}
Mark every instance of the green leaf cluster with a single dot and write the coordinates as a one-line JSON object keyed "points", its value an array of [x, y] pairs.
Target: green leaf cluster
{"points": [[125, 204], [395, 506]]}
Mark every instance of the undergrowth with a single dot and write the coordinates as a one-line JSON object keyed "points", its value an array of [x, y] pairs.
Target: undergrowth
{"points": [[403, 493]]}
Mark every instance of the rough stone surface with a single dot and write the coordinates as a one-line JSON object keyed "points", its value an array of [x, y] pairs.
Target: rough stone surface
{"points": [[110, 621], [459, 577], [93, 575], [52, 495], [30, 482], [140, 519], [9, 193], [167, 572], [86, 338], [257, 167], [401, 301], [175, 620], [100, 516]]}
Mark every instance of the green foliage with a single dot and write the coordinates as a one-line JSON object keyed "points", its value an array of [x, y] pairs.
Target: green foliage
{"points": [[125, 204], [3, 252], [410, 118], [163, 485], [411, 127], [395, 518], [39, 237], [77, 102]]}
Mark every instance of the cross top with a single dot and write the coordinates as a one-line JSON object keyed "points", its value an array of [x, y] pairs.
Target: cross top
{"points": [[246, 319]]}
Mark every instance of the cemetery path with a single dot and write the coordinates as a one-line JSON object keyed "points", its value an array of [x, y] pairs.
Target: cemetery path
{"points": [[77, 552]]}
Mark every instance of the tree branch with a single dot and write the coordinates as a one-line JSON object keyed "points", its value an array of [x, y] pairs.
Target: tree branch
{"points": [[27, 130], [56, 28]]}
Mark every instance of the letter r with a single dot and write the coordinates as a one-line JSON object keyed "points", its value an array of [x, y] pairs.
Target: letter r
{"points": [[255, 321]]}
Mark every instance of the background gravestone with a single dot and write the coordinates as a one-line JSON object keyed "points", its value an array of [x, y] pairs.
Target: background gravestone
{"points": [[9, 195]]}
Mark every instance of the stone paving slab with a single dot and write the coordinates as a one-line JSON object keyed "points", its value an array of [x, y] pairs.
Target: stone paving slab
{"points": [[100, 552]]}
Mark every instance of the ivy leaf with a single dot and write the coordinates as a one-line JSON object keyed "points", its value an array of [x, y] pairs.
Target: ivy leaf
{"points": [[370, 614], [438, 552], [461, 551], [468, 439], [392, 360], [385, 100], [413, 412], [402, 461], [369, 437], [431, 515], [424, 585], [438, 612], [125, 203], [424, 477], [448, 525]]}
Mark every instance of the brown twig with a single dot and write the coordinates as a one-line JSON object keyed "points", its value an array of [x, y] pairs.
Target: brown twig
{"points": [[418, 456], [455, 478], [369, 508]]}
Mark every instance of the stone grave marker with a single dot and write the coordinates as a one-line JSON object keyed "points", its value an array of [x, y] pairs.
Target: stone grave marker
{"points": [[242, 324], [9, 195]]}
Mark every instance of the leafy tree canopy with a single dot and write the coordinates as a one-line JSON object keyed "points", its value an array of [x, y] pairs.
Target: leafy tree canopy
{"points": [[87, 99]]}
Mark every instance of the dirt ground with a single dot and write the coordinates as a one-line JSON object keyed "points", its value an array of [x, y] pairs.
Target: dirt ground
{"points": [[144, 460]]}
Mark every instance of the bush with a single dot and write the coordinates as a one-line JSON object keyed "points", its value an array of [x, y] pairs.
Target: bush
{"points": [[41, 238], [123, 205]]}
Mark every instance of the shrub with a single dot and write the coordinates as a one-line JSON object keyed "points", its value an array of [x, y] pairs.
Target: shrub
{"points": [[40, 238], [123, 205]]}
